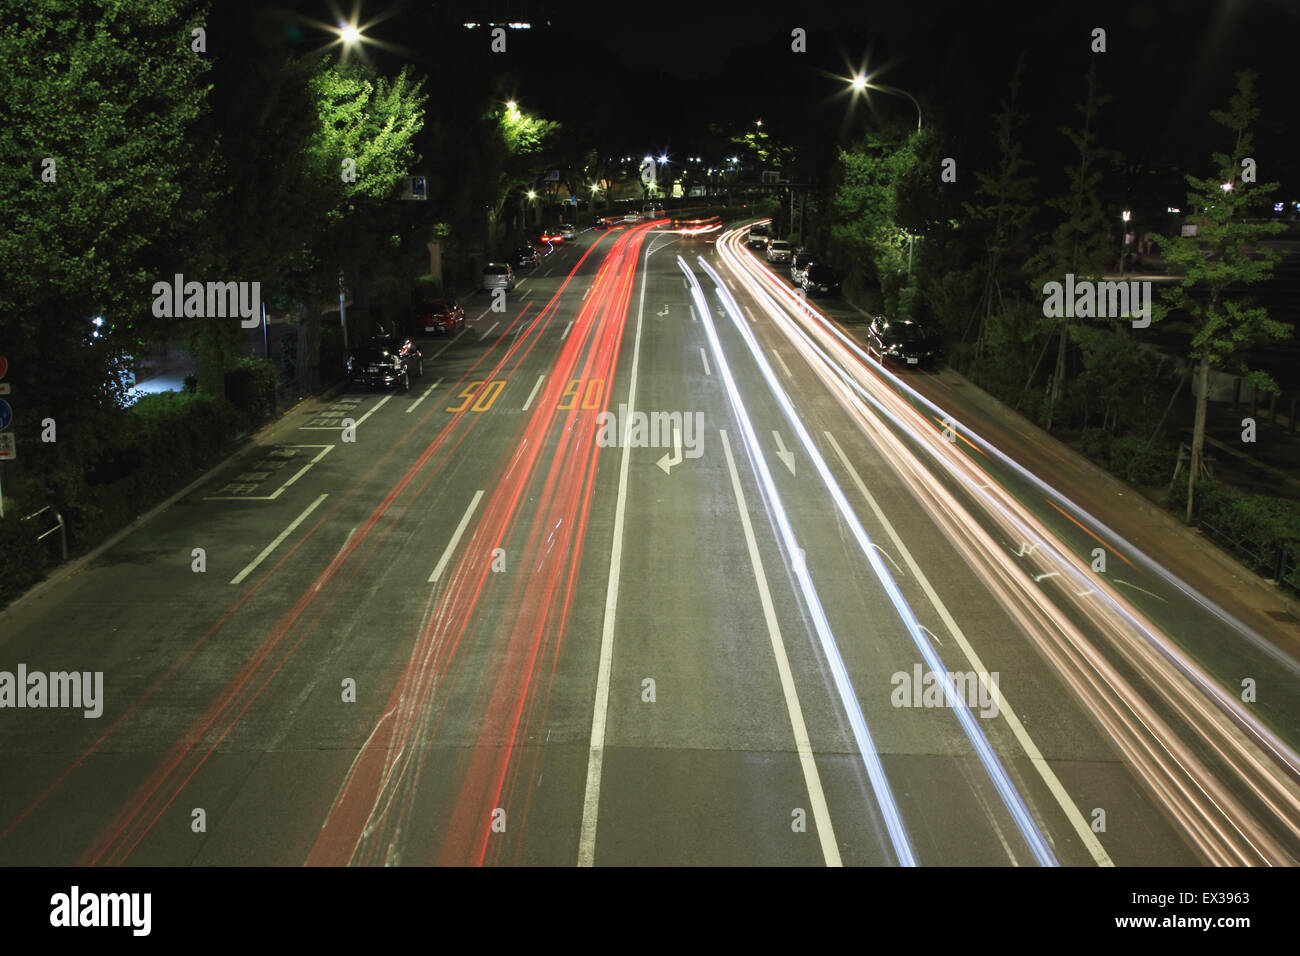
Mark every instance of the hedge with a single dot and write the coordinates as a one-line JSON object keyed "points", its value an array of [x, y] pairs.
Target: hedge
{"points": [[1256, 526]]}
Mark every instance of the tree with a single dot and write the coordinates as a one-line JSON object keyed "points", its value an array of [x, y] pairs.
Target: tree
{"points": [[866, 203], [1078, 243], [1223, 255], [101, 187], [1005, 208]]}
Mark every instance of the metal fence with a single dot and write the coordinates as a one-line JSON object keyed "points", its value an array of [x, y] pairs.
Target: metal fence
{"points": [[1283, 563]]}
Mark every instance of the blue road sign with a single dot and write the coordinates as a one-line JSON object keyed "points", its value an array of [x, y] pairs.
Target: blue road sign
{"points": [[6, 414]]}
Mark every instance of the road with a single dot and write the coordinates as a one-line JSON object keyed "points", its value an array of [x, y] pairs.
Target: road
{"points": [[651, 567]]}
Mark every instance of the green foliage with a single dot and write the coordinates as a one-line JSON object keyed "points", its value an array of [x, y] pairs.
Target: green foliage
{"points": [[112, 94], [1226, 251], [250, 387], [1255, 526], [871, 245], [23, 559]]}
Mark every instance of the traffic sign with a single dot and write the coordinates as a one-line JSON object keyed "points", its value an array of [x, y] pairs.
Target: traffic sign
{"points": [[8, 447], [6, 414], [4, 366]]}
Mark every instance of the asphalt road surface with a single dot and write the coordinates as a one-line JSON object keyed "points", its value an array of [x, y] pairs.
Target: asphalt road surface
{"points": [[652, 566]]}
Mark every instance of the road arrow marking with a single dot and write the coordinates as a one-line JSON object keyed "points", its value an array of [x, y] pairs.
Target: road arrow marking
{"points": [[667, 461], [785, 456]]}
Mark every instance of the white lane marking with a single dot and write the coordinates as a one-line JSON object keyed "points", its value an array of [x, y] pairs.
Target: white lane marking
{"points": [[334, 428], [1072, 813], [780, 361], [455, 538], [489, 331], [410, 408], [705, 359], [533, 393], [596, 753], [321, 580], [520, 283], [732, 284], [749, 315], [565, 335], [821, 813], [303, 470], [278, 540], [449, 344], [693, 318]]}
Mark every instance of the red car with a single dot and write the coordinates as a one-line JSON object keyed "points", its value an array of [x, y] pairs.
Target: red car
{"points": [[438, 315], [551, 235]]}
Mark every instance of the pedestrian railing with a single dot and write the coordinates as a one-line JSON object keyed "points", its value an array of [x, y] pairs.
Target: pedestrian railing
{"points": [[1283, 564]]}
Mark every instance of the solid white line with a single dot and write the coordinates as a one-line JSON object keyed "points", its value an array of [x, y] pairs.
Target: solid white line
{"points": [[566, 332], [455, 538], [382, 402], [279, 538], [533, 393], [777, 355], [489, 331], [705, 359], [812, 779], [302, 471], [1072, 812], [410, 408], [596, 755]]}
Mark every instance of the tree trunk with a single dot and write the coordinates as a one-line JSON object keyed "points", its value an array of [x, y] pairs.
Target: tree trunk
{"points": [[1059, 375], [1161, 424], [1198, 429]]}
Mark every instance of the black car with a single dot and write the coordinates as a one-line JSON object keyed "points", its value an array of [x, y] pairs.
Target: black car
{"points": [[820, 280], [526, 257], [904, 341], [385, 361]]}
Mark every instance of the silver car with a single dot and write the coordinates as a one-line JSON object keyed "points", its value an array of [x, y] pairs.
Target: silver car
{"points": [[567, 230], [779, 251], [498, 275]]}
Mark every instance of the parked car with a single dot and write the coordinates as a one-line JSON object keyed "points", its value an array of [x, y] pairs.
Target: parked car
{"points": [[438, 315], [904, 341], [799, 264], [820, 280], [779, 251], [498, 275], [526, 257], [567, 231], [385, 361], [758, 237]]}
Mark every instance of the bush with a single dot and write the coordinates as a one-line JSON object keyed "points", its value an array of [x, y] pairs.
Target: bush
{"points": [[23, 559], [1130, 459], [250, 388], [1255, 526]]}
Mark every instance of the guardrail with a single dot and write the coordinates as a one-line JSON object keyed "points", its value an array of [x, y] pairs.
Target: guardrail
{"points": [[59, 526]]}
